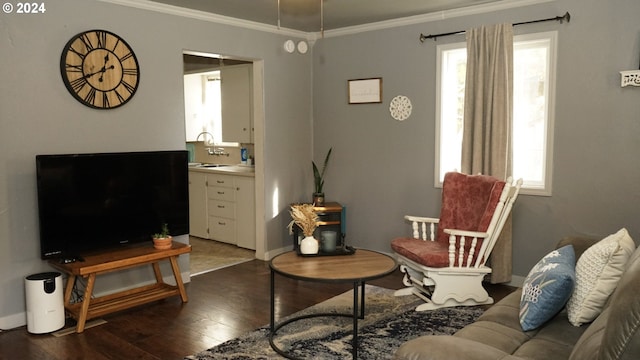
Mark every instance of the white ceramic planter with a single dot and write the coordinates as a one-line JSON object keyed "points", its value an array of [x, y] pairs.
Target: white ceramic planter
{"points": [[309, 245]]}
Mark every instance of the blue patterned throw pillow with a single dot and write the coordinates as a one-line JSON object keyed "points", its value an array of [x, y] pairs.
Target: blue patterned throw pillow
{"points": [[547, 287]]}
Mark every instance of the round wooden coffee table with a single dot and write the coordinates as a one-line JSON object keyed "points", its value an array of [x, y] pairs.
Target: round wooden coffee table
{"points": [[358, 268]]}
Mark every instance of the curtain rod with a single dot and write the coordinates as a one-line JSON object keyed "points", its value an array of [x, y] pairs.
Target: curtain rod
{"points": [[566, 17]]}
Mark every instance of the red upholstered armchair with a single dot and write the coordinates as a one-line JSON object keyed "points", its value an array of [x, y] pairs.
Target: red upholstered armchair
{"points": [[444, 261]]}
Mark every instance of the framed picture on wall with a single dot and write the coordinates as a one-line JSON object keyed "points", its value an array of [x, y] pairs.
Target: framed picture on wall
{"points": [[365, 91]]}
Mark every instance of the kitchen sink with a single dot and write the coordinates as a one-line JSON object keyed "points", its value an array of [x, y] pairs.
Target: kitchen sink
{"points": [[212, 165]]}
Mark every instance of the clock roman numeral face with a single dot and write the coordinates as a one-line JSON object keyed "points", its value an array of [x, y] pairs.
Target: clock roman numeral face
{"points": [[100, 69]]}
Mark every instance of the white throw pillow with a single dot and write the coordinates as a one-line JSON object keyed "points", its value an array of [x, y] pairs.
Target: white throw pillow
{"points": [[597, 273]]}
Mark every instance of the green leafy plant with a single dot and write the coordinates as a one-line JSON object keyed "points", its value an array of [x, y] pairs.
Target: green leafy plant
{"points": [[318, 176], [164, 232]]}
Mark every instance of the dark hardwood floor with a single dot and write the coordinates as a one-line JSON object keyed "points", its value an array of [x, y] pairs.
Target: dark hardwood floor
{"points": [[222, 305]]}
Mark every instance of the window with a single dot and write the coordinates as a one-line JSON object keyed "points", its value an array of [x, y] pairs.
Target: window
{"points": [[203, 100], [211, 104], [533, 95], [202, 106]]}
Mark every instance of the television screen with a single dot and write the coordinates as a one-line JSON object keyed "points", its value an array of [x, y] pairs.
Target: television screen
{"points": [[89, 202]]}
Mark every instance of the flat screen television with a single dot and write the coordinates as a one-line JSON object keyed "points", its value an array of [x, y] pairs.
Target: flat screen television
{"points": [[90, 202]]}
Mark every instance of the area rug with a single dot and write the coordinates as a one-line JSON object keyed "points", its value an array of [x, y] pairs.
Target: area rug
{"points": [[389, 321]]}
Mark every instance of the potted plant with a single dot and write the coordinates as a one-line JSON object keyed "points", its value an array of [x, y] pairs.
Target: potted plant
{"points": [[306, 218], [162, 240], [318, 177]]}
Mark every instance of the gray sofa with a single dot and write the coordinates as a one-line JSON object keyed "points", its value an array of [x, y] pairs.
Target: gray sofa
{"points": [[497, 334]]}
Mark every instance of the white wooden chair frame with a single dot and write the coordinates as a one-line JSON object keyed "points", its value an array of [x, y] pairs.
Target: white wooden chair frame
{"points": [[455, 285]]}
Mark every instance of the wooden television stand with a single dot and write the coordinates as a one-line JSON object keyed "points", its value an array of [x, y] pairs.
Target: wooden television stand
{"points": [[116, 260]]}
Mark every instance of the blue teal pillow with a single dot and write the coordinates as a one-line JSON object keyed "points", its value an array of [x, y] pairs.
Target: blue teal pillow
{"points": [[548, 287]]}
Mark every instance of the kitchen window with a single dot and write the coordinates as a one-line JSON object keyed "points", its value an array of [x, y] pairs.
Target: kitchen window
{"points": [[534, 63]]}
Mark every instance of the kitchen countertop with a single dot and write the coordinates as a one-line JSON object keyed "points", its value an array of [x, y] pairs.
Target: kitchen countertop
{"points": [[239, 170]]}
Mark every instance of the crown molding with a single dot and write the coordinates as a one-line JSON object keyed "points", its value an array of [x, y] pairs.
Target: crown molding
{"points": [[206, 16], [436, 16], [312, 36]]}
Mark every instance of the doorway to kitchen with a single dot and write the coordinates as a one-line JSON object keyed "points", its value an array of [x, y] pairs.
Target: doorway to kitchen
{"points": [[204, 139]]}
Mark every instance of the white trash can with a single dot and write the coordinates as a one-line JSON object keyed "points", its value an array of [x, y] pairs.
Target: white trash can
{"points": [[45, 302]]}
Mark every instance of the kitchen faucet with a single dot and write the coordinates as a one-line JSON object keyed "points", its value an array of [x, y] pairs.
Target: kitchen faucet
{"points": [[217, 152], [205, 133]]}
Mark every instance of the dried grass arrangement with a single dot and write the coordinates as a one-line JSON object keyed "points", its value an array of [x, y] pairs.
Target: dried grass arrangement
{"points": [[305, 217]]}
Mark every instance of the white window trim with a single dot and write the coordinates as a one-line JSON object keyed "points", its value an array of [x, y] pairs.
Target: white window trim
{"points": [[553, 46], [439, 50]]}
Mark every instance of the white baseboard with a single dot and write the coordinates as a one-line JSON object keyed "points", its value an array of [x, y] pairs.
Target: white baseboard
{"points": [[272, 253], [13, 321]]}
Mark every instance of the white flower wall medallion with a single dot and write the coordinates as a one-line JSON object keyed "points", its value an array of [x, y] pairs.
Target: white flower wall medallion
{"points": [[400, 107]]}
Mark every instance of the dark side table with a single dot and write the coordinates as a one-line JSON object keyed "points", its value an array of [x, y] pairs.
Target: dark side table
{"points": [[331, 216]]}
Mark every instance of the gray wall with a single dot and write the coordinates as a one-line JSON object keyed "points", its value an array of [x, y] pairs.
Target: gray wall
{"points": [[383, 169], [38, 115]]}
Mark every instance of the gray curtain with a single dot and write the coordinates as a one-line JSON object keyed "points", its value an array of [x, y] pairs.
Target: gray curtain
{"points": [[488, 102]]}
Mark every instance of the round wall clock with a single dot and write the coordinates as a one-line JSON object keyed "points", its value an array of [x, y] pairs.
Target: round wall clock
{"points": [[400, 108], [99, 69]]}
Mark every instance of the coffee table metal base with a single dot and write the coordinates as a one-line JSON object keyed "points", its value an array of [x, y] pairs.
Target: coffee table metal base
{"points": [[358, 313], [362, 266]]}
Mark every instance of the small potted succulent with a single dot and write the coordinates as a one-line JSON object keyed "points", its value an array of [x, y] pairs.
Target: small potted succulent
{"points": [[318, 177], [162, 240]]}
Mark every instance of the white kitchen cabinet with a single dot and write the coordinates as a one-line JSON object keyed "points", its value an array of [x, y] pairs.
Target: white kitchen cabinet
{"points": [[245, 212], [222, 208], [237, 103], [198, 221]]}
